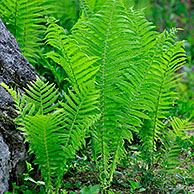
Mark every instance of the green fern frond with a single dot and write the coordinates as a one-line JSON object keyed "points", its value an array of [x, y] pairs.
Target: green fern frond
{"points": [[24, 19], [39, 98], [181, 128], [55, 134], [171, 139], [78, 66], [46, 137], [81, 114], [170, 58], [132, 69], [122, 76], [20, 106], [12, 92], [43, 96]]}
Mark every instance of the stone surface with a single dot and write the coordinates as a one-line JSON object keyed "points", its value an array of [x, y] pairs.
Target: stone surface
{"points": [[4, 165], [15, 71]]}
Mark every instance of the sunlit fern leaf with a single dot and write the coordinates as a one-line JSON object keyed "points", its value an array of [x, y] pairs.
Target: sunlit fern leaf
{"points": [[81, 114], [78, 66], [55, 134], [131, 72], [20, 106], [46, 137], [11, 91], [43, 96], [172, 60], [19, 100], [39, 98], [25, 20], [181, 127], [133, 85]]}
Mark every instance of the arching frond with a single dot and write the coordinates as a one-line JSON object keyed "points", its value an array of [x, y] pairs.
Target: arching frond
{"points": [[122, 75], [39, 98], [170, 58], [78, 66], [81, 114]]}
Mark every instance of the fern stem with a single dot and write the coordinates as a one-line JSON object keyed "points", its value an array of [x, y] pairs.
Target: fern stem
{"points": [[68, 60], [74, 120], [114, 158], [47, 155], [156, 115], [41, 104], [102, 91]]}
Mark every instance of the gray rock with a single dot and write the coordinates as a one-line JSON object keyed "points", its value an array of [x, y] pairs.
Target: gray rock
{"points": [[4, 165], [15, 71]]}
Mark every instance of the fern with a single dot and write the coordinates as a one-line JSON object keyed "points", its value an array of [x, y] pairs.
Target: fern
{"points": [[136, 68], [80, 116], [172, 59], [43, 96], [25, 21], [101, 36], [122, 78], [53, 132], [78, 66], [46, 138], [87, 11], [172, 139]]}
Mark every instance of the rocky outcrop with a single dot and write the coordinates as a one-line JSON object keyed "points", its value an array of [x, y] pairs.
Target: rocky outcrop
{"points": [[15, 71]]}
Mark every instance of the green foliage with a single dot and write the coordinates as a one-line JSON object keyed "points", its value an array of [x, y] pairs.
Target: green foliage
{"points": [[121, 77], [25, 20], [173, 142], [77, 65], [26, 187], [91, 189], [167, 14], [53, 134], [135, 80], [67, 11]]}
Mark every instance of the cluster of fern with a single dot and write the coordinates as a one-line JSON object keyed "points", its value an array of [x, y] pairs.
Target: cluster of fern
{"points": [[122, 76]]}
